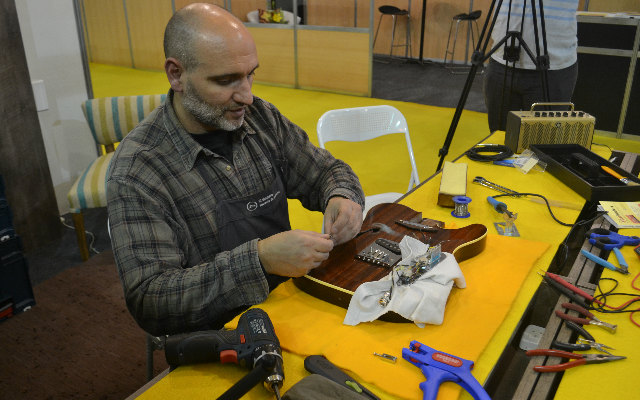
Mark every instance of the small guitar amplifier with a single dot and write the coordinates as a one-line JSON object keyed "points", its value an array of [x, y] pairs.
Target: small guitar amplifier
{"points": [[525, 128]]}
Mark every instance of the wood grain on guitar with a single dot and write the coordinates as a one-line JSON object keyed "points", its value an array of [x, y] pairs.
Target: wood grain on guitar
{"points": [[340, 275]]}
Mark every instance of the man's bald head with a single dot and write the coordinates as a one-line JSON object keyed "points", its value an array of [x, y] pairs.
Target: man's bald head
{"points": [[200, 23]]}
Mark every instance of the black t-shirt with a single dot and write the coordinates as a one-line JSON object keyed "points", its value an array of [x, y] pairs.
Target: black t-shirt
{"points": [[218, 141]]}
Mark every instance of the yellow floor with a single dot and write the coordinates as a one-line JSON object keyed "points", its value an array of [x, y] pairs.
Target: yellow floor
{"points": [[382, 165]]}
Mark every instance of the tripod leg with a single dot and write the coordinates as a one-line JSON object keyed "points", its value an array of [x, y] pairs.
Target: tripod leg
{"points": [[456, 116]]}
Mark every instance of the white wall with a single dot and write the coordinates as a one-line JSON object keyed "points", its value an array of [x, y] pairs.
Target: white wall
{"points": [[52, 49]]}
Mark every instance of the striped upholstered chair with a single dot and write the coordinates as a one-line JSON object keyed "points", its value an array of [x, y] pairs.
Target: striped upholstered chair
{"points": [[110, 119]]}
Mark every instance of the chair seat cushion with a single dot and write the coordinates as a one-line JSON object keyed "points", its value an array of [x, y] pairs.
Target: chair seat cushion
{"points": [[89, 190], [392, 10]]}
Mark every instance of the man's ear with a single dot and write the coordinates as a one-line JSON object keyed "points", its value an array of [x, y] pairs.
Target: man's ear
{"points": [[174, 70]]}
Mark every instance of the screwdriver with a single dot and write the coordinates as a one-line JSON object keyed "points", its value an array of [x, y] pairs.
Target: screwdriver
{"points": [[499, 206]]}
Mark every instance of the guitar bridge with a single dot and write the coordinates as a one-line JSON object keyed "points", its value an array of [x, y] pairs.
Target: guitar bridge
{"points": [[382, 253]]}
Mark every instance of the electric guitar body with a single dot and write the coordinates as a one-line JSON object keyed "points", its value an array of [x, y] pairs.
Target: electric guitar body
{"points": [[355, 262]]}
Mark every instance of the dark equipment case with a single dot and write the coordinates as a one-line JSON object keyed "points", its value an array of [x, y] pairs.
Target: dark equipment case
{"points": [[16, 294]]}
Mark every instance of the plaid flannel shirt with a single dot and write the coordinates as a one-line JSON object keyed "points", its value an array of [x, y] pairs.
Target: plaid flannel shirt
{"points": [[162, 213]]}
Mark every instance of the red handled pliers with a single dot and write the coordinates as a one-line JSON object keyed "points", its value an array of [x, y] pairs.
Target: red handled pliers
{"points": [[589, 318], [579, 359]]}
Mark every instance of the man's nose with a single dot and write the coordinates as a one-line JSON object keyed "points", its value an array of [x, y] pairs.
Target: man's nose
{"points": [[243, 93]]}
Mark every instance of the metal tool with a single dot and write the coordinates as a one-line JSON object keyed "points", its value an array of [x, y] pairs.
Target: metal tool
{"points": [[253, 344], [321, 366], [440, 367], [580, 359], [589, 318], [586, 342], [621, 259], [621, 178], [603, 262], [417, 226], [386, 356], [483, 182]]}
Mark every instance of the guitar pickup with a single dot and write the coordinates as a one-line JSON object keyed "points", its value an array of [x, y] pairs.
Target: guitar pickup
{"points": [[378, 254], [390, 245]]}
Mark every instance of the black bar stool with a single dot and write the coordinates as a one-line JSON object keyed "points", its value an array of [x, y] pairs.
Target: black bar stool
{"points": [[395, 12], [470, 19]]}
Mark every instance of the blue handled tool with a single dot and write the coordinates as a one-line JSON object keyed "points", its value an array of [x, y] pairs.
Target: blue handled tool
{"points": [[621, 259], [608, 240], [602, 262], [440, 367], [508, 227], [499, 206]]}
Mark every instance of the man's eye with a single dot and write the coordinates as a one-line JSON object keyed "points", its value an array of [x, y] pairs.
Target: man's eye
{"points": [[224, 82]]}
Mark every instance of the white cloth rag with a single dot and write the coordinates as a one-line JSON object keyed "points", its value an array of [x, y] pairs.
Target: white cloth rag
{"points": [[422, 301]]}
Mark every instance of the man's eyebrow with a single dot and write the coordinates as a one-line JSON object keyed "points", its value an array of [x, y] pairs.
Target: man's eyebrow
{"points": [[234, 75]]}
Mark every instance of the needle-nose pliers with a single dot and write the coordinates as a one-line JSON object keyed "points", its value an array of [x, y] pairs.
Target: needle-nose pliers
{"points": [[578, 359]]}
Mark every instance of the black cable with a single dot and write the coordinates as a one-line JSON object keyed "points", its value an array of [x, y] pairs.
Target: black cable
{"points": [[564, 247], [603, 145], [604, 295], [517, 194], [498, 152]]}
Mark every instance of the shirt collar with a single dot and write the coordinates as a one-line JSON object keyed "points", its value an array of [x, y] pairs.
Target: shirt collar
{"points": [[187, 147]]}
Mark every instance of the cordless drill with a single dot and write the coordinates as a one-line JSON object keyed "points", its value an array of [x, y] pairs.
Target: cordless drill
{"points": [[253, 344]]}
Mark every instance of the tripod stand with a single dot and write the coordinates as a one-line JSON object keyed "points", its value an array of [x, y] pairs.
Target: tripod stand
{"points": [[513, 42]]}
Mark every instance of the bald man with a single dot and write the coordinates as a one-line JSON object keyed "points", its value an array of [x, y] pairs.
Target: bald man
{"points": [[197, 192]]}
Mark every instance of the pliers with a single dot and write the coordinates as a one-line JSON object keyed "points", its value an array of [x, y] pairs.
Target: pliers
{"points": [[586, 342], [589, 318], [579, 359], [608, 240], [623, 269]]}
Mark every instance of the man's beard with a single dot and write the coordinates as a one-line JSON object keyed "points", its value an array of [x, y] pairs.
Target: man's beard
{"points": [[206, 114]]}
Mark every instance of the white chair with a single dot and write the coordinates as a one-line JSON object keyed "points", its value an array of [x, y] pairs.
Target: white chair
{"points": [[365, 123]]}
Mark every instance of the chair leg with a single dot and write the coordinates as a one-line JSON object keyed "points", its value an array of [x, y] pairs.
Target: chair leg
{"points": [[393, 35], [376, 36], [407, 49], [455, 40], [78, 223], [150, 350], [446, 53]]}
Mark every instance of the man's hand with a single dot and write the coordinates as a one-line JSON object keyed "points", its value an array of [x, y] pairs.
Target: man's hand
{"points": [[293, 253], [342, 219]]}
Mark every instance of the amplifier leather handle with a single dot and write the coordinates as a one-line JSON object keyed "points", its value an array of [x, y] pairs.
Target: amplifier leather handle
{"points": [[568, 104]]}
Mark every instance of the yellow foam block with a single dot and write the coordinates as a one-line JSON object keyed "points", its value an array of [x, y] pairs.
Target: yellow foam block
{"points": [[452, 183]]}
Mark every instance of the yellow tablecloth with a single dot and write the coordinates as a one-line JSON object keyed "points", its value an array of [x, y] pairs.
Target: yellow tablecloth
{"points": [[306, 326], [479, 320]]}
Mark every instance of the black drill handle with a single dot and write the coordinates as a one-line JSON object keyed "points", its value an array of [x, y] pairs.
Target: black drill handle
{"points": [[197, 347], [255, 330]]}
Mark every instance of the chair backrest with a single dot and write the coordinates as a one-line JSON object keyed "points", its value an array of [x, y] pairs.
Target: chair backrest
{"points": [[365, 123], [112, 118]]}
